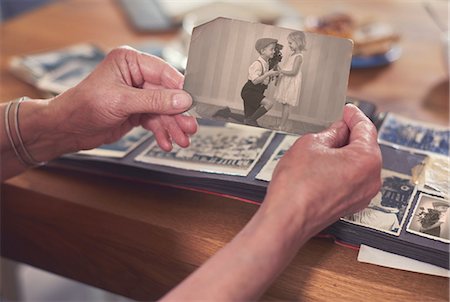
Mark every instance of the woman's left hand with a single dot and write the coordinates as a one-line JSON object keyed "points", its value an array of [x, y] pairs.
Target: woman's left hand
{"points": [[127, 89]]}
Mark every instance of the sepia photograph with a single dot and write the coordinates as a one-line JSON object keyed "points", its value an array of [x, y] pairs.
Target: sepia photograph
{"points": [[267, 76], [123, 146], [231, 149], [267, 171], [388, 210], [430, 218], [414, 135]]}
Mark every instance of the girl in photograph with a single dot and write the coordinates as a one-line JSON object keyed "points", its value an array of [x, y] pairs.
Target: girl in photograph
{"points": [[288, 89]]}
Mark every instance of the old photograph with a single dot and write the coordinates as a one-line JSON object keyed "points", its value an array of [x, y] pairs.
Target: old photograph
{"points": [[59, 70], [267, 171], [433, 176], [68, 67], [123, 146], [430, 218], [413, 135], [231, 149], [388, 210], [267, 76]]}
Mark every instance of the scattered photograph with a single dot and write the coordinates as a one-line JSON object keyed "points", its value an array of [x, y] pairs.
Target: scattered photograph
{"points": [[123, 146], [430, 218], [267, 76], [230, 149], [267, 171], [59, 70], [387, 211], [413, 135], [71, 68], [433, 176]]}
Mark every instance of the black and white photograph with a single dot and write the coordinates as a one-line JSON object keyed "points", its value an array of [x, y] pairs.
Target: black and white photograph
{"points": [[388, 210], [413, 135], [267, 76], [231, 149], [267, 171], [430, 218], [433, 176], [121, 147], [59, 70]]}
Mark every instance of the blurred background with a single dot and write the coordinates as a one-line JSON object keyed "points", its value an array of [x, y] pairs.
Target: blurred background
{"points": [[400, 64]]}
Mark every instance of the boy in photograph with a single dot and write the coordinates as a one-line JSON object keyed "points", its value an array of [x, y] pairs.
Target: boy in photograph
{"points": [[256, 104]]}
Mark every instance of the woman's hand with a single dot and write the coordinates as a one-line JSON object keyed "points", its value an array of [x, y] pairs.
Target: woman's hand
{"points": [[321, 178], [336, 172], [127, 89]]}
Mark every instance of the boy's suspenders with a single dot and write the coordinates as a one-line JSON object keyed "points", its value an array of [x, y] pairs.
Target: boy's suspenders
{"points": [[262, 66]]}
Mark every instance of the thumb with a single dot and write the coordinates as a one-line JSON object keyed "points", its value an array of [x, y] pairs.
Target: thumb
{"points": [[335, 136], [158, 101]]}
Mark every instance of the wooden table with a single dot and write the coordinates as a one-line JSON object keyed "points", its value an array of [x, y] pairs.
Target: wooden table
{"points": [[141, 240]]}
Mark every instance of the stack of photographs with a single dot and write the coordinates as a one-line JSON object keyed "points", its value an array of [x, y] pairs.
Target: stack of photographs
{"points": [[406, 217], [271, 81]]}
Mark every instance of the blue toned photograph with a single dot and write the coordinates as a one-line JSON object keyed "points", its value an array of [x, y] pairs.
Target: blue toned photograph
{"points": [[388, 210], [121, 147], [414, 135]]}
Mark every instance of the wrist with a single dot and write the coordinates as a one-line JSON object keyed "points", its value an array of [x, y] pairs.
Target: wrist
{"points": [[40, 131], [284, 221]]}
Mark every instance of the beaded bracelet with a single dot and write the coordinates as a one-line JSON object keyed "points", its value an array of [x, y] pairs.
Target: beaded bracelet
{"points": [[19, 150]]}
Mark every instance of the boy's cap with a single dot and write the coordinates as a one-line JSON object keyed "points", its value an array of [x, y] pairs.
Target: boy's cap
{"points": [[441, 203], [263, 43]]}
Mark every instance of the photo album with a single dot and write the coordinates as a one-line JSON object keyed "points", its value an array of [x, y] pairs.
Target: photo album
{"points": [[258, 88]]}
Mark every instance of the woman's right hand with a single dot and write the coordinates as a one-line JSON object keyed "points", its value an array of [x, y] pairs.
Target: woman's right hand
{"points": [[327, 175]]}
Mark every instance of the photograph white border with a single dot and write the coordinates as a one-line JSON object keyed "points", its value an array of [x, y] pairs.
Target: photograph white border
{"points": [[409, 230], [407, 210], [115, 153], [266, 172], [411, 121], [209, 168]]}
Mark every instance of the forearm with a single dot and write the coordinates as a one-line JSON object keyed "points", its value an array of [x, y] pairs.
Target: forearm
{"points": [[246, 266], [39, 133], [288, 73]]}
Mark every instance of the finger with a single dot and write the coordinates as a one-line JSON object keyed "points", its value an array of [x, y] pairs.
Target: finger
{"points": [[361, 128], [154, 124], [157, 71], [147, 85], [335, 136], [188, 124], [156, 101], [174, 130]]}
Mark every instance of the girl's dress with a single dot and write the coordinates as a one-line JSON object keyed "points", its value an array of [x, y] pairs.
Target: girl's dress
{"points": [[288, 90]]}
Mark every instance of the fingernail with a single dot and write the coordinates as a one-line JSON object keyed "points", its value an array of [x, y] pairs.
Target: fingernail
{"points": [[180, 101]]}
